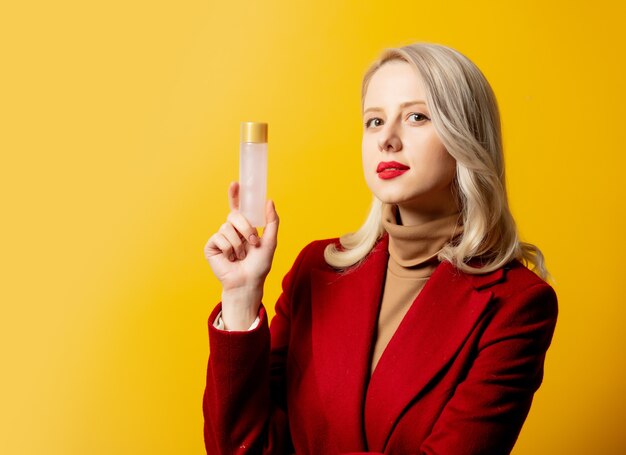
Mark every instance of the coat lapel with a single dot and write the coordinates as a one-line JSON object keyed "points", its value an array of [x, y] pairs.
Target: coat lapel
{"points": [[432, 331], [344, 313]]}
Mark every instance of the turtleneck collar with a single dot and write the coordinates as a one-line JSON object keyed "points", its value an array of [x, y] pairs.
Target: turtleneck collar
{"points": [[417, 246]]}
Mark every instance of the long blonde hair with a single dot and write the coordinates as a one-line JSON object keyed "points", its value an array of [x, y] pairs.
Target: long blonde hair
{"points": [[465, 115]]}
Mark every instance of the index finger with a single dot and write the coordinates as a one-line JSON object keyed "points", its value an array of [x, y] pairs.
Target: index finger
{"points": [[233, 196]]}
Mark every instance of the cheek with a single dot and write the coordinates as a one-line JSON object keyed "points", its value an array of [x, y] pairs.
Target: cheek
{"points": [[447, 168], [439, 157], [432, 161], [446, 161], [369, 163], [365, 144], [367, 152]]}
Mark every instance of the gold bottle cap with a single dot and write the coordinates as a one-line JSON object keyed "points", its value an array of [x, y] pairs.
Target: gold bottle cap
{"points": [[253, 132]]}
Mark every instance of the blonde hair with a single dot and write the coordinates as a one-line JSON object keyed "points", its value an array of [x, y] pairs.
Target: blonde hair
{"points": [[465, 116]]}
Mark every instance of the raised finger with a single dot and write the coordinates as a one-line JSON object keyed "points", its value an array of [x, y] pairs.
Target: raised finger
{"points": [[232, 236], [233, 196], [242, 226]]}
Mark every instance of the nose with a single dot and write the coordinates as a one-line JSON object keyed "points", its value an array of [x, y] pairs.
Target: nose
{"points": [[389, 140]]}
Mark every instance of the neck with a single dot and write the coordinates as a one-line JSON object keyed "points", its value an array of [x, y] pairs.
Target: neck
{"points": [[418, 244], [411, 216], [438, 205]]}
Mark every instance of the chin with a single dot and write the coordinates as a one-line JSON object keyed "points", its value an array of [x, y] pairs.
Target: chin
{"points": [[390, 197]]}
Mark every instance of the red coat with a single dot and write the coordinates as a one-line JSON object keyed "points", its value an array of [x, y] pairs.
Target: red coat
{"points": [[457, 377]]}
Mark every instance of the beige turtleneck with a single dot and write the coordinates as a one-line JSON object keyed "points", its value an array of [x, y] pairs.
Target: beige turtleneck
{"points": [[412, 259]]}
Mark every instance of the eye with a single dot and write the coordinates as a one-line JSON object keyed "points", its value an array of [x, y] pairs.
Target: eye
{"points": [[418, 117], [375, 121]]}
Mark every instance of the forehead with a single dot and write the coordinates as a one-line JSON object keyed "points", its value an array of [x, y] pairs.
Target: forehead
{"points": [[393, 83]]}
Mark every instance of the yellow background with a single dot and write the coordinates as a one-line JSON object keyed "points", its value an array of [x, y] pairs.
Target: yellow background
{"points": [[119, 126]]}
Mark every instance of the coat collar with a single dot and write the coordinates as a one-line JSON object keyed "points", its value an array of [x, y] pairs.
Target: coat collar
{"points": [[345, 309]]}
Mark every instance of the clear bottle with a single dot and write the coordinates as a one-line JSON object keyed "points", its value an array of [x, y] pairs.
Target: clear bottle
{"points": [[253, 172]]}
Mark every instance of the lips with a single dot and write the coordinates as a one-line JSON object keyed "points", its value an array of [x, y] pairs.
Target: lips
{"points": [[391, 166], [390, 169]]}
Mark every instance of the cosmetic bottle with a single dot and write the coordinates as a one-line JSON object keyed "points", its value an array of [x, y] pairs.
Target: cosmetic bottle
{"points": [[253, 172]]}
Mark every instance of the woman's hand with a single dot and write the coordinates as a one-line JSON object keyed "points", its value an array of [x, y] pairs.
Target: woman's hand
{"points": [[241, 260]]}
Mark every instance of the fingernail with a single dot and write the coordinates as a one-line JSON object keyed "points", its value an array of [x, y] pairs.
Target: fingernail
{"points": [[242, 255], [254, 239], [231, 257]]}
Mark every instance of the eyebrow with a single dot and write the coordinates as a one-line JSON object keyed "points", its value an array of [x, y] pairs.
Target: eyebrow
{"points": [[403, 105]]}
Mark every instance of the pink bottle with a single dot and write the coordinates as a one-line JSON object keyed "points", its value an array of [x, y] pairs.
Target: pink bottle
{"points": [[253, 172]]}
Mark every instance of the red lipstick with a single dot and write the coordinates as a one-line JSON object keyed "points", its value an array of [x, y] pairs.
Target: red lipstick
{"points": [[390, 169]]}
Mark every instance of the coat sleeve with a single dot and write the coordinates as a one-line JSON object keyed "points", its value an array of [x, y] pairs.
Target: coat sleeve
{"points": [[244, 402], [488, 408]]}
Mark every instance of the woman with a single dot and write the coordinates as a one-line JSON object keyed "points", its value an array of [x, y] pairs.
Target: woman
{"points": [[421, 333]]}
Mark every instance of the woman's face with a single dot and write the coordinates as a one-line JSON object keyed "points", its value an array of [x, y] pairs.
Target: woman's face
{"points": [[404, 161]]}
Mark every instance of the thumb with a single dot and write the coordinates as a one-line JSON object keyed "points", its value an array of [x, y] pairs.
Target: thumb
{"points": [[233, 196], [270, 233]]}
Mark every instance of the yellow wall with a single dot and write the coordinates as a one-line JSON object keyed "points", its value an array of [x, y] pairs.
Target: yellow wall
{"points": [[119, 135]]}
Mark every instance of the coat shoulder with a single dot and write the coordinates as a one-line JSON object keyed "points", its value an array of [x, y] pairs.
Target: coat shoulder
{"points": [[513, 276], [313, 252], [514, 286], [519, 278], [310, 257]]}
